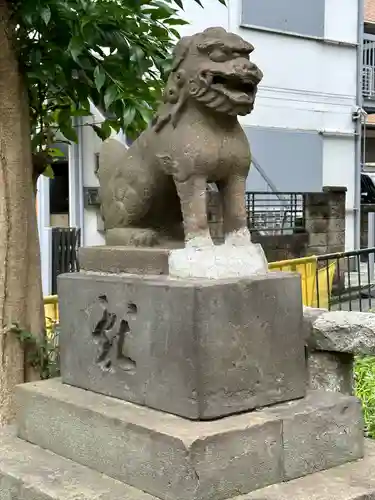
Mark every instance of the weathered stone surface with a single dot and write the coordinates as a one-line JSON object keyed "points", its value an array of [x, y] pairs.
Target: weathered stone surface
{"points": [[310, 314], [196, 348], [147, 190], [28, 472], [218, 261], [164, 455], [129, 260], [354, 481], [175, 458], [321, 431], [331, 371], [342, 331]]}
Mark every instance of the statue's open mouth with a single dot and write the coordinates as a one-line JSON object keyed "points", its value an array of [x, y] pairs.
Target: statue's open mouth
{"points": [[237, 89]]}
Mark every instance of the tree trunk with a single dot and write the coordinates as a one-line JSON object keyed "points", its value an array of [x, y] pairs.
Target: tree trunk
{"points": [[21, 303]]}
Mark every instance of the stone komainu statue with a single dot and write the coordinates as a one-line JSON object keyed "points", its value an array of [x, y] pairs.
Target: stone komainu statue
{"points": [[150, 189]]}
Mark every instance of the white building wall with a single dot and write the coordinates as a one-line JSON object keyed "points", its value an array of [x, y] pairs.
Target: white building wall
{"points": [[91, 146], [311, 85]]}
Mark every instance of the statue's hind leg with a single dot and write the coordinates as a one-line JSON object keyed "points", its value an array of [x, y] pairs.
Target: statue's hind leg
{"points": [[132, 237]]}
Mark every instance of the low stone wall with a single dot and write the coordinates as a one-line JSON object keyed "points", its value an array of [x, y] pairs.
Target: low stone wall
{"points": [[333, 338], [324, 227], [325, 221]]}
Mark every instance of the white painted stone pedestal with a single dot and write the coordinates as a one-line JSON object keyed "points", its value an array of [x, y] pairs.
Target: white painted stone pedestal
{"points": [[218, 262]]}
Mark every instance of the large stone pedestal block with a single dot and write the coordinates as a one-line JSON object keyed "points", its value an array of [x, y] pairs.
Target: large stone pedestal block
{"points": [[174, 458], [196, 348]]}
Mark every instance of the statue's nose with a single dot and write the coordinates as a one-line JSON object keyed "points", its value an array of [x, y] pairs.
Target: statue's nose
{"points": [[244, 66], [247, 68]]}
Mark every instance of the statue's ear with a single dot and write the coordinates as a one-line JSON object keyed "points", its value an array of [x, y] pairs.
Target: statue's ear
{"points": [[180, 51]]}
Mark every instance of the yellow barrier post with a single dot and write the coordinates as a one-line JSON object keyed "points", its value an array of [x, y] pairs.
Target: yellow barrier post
{"points": [[51, 312], [313, 280]]}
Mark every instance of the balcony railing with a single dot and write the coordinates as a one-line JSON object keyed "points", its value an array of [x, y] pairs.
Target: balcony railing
{"points": [[368, 74]]}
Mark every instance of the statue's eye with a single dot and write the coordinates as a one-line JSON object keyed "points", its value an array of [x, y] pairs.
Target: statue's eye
{"points": [[218, 55]]}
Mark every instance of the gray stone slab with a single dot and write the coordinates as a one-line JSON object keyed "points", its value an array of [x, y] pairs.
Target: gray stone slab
{"points": [[343, 331], [131, 260], [162, 454], [331, 371], [176, 458], [354, 481], [322, 431], [28, 472], [197, 348]]}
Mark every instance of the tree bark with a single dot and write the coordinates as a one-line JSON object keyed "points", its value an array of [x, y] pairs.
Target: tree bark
{"points": [[21, 301]]}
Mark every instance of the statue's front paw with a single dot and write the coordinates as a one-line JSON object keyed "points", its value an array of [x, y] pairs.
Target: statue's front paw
{"points": [[144, 238], [241, 237], [199, 242]]}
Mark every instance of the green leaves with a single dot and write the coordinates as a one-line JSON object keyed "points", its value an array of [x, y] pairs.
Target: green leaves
{"points": [[99, 77], [111, 94], [75, 47], [104, 131], [46, 14], [113, 53]]}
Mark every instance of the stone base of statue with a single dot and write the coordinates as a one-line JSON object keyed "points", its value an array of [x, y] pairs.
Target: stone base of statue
{"points": [[182, 389]]}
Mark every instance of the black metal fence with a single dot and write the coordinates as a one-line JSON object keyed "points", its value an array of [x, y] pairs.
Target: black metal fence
{"points": [[275, 213], [65, 244], [347, 280]]}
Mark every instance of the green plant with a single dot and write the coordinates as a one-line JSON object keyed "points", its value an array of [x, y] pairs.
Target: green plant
{"points": [[364, 377], [44, 354], [115, 53]]}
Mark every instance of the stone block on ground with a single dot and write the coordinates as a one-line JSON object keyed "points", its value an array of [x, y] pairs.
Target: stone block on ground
{"points": [[331, 371], [196, 348], [178, 459]]}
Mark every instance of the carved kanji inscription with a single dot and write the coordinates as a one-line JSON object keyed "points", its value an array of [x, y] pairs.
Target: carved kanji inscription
{"points": [[110, 333]]}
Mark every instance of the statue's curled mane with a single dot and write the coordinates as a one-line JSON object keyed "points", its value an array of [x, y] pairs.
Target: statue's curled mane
{"points": [[176, 92]]}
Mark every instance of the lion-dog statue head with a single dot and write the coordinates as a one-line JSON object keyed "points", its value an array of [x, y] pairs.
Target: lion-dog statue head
{"points": [[213, 69]]}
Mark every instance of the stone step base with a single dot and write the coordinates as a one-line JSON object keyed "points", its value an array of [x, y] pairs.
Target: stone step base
{"points": [[174, 458], [28, 472], [354, 481]]}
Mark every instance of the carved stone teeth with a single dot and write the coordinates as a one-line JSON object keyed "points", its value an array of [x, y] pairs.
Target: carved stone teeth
{"points": [[219, 100], [201, 92], [225, 107], [208, 97]]}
